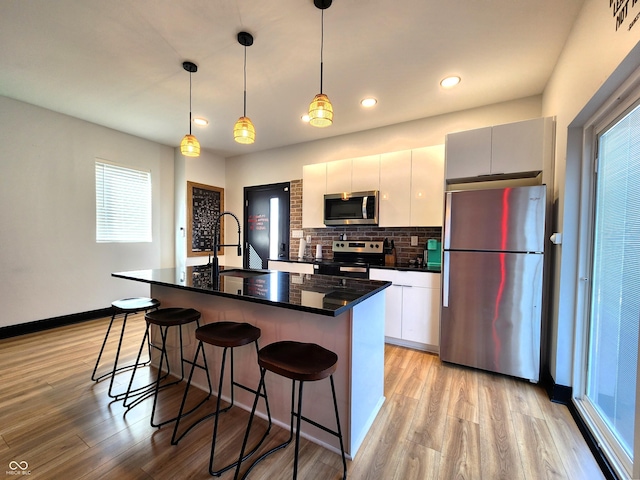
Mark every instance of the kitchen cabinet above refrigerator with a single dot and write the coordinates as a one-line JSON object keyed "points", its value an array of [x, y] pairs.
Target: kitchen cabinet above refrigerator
{"points": [[512, 150]]}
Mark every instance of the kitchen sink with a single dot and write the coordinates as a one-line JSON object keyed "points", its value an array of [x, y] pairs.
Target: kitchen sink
{"points": [[243, 273]]}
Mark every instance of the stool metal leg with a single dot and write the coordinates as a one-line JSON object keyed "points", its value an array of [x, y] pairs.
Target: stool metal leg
{"points": [[158, 387], [142, 393], [174, 440], [335, 405], [299, 417], [104, 342], [263, 371], [115, 368], [139, 393]]}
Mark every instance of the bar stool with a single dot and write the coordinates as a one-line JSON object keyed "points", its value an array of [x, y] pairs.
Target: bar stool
{"points": [[124, 306], [228, 335], [164, 318], [301, 362]]}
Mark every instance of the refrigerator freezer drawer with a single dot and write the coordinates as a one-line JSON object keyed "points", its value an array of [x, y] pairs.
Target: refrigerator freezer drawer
{"points": [[491, 311], [503, 219]]}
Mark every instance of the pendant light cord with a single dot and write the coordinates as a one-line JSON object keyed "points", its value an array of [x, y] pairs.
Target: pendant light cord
{"points": [[245, 82], [190, 103], [321, 50]]}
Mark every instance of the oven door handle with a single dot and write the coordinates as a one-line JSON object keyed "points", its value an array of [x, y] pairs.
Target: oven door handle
{"points": [[354, 269]]}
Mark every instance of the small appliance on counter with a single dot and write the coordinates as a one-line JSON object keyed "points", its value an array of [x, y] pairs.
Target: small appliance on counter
{"points": [[389, 250], [302, 248], [432, 257]]}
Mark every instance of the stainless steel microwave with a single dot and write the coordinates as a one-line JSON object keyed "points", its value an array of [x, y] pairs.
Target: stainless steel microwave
{"points": [[357, 208]]}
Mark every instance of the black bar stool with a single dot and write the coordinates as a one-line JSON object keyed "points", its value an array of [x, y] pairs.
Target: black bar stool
{"points": [[124, 306], [228, 335], [302, 362], [164, 318]]}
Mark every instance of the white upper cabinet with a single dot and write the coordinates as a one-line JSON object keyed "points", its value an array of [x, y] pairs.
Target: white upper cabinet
{"points": [[395, 189], [521, 146], [314, 184], [339, 176], [427, 186], [365, 173], [359, 174], [508, 149], [469, 153], [410, 184]]}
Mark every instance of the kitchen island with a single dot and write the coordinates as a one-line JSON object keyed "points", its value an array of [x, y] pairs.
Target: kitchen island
{"points": [[344, 315]]}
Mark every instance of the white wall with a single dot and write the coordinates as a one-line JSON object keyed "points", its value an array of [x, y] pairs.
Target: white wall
{"points": [[50, 263], [591, 55]]}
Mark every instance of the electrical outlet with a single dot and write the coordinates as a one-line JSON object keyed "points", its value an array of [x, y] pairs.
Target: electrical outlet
{"points": [[308, 238], [414, 241]]}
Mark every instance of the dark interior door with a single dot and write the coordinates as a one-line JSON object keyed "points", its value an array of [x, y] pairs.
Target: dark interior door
{"points": [[266, 219]]}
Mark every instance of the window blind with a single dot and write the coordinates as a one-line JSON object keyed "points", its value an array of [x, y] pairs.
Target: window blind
{"points": [[123, 204]]}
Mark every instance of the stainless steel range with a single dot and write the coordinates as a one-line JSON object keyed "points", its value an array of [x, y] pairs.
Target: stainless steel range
{"points": [[351, 259]]}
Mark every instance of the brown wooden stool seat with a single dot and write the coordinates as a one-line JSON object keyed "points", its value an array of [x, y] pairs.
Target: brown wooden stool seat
{"points": [[170, 317], [228, 335], [126, 307], [301, 362], [306, 362], [164, 318]]}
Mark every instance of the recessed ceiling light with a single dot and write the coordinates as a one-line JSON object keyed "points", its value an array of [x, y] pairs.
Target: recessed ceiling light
{"points": [[305, 118], [203, 122], [368, 102], [450, 82]]}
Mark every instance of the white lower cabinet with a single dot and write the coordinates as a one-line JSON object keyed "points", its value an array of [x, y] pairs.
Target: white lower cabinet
{"points": [[412, 309]]}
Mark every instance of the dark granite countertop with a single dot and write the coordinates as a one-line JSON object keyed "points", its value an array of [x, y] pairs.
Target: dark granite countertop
{"points": [[321, 294]]}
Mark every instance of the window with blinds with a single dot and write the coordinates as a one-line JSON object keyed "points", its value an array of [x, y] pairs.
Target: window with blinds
{"points": [[123, 204], [615, 298]]}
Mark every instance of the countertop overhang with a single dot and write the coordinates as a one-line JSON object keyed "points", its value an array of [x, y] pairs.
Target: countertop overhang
{"points": [[321, 294]]}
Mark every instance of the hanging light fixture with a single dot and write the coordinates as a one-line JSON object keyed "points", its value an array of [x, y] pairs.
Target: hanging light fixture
{"points": [[189, 146], [244, 131], [320, 109]]}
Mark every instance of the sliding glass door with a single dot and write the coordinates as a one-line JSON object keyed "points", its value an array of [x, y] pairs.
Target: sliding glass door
{"points": [[614, 310]]}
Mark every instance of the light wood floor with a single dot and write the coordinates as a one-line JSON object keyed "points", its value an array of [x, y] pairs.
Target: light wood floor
{"points": [[438, 422]]}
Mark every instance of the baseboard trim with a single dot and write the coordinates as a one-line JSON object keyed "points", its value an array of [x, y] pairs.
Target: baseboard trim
{"points": [[557, 393], [563, 395], [40, 325]]}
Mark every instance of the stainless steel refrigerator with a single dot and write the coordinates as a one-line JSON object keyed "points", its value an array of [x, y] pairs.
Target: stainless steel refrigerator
{"points": [[492, 276]]}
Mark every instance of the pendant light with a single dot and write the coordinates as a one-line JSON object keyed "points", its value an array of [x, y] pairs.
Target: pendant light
{"points": [[244, 131], [320, 109], [189, 146]]}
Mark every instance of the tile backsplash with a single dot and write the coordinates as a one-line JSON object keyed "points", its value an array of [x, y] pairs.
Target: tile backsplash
{"points": [[401, 236]]}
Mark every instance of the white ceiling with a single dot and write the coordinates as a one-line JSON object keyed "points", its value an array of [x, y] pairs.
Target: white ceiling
{"points": [[118, 63]]}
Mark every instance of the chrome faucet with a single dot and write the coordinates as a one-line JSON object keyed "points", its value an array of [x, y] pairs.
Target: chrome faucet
{"points": [[215, 267]]}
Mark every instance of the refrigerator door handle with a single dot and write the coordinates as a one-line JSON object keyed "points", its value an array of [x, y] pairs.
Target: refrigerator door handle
{"points": [[446, 244], [445, 280]]}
